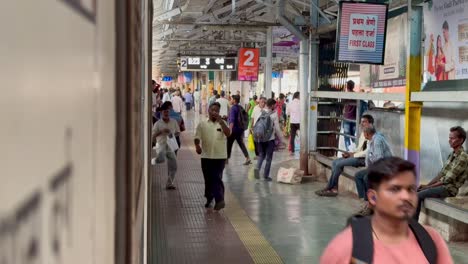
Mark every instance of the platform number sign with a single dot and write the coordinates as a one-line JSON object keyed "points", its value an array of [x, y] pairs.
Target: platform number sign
{"points": [[183, 64], [248, 64]]}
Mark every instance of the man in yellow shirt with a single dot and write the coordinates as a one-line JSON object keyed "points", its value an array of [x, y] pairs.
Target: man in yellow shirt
{"points": [[211, 143]]}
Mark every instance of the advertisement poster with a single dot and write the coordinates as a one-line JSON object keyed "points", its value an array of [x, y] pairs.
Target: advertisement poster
{"points": [[285, 44], [361, 32], [248, 64], [446, 42], [393, 73], [184, 77]]}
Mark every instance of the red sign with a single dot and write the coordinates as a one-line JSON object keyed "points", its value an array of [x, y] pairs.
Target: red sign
{"points": [[248, 64]]}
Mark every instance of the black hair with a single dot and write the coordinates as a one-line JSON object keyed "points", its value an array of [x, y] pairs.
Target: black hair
{"points": [[223, 93], [236, 98], [215, 104], [349, 85], [445, 25], [460, 131], [215, 92], [369, 118], [166, 105], [281, 96], [153, 82], [270, 102], [296, 95], [386, 169], [217, 96], [254, 97]]}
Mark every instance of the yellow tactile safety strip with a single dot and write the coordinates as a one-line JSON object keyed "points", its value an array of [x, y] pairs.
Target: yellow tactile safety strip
{"points": [[258, 247]]}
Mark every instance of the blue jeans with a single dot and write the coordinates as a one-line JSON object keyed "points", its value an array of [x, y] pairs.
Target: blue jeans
{"points": [[361, 183], [434, 192], [338, 166], [349, 128], [265, 150]]}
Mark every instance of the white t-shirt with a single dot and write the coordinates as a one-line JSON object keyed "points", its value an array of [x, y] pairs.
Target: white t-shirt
{"points": [[166, 97], [224, 111], [177, 104], [160, 125], [294, 110], [196, 96]]}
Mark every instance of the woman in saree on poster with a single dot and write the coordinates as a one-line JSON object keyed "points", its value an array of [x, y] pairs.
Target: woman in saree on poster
{"points": [[440, 61]]}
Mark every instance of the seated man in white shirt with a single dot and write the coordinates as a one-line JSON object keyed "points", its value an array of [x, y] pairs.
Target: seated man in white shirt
{"points": [[355, 159]]}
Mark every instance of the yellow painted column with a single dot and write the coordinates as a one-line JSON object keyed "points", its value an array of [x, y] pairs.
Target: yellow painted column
{"points": [[413, 84]]}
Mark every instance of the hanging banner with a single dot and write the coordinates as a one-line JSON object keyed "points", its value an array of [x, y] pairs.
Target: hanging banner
{"points": [[392, 74], [248, 64], [446, 43], [361, 32], [285, 44]]}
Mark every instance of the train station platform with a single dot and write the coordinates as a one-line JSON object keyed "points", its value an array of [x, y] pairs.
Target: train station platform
{"points": [[263, 222]]}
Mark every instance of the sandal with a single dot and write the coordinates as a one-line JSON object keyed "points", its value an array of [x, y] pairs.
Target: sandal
{"points": [[248, 162], [326, 193]]}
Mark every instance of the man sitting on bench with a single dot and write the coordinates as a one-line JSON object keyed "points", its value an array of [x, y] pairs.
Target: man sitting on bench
{"points": [[355, 159], [453, 174]]}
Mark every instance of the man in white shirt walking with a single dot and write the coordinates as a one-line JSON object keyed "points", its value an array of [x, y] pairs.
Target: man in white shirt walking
{"points": [[293, 110], [224, 111], [177, 103], [196, 100], [166, 96]]}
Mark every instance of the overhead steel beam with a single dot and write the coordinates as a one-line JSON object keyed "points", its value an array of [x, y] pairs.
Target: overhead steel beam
{"points": [[220, 11], [210, 41], [208, 24]]}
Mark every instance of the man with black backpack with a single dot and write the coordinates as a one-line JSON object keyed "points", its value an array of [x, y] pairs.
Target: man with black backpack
{"points": [[265, 130], [390, 235], [238, 122]]}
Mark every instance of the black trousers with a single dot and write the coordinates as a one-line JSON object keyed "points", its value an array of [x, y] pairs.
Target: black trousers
{"points": [[239, 137], [213, 174], [294, 129]]}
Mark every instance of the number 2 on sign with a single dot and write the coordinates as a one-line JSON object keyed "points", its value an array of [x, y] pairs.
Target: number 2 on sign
{"points": [[248, 61]]}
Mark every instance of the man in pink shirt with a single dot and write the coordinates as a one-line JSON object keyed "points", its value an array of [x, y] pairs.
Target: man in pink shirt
{"points": [[392, 193]]}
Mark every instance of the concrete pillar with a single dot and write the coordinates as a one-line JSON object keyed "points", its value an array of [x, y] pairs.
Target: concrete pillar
{"points": [[268, 62], [413, 84], [313, 78], [304, 99]]}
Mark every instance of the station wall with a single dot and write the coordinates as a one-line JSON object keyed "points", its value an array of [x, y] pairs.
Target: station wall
{"points": [[57, 109]]}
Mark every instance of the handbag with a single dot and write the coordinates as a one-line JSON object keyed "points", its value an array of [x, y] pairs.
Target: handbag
{"points": [[250, 143], [172, 143]]}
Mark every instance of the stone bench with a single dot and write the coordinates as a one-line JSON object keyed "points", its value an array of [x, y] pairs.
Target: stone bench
{"points": [[346, 181], [448, 216]]}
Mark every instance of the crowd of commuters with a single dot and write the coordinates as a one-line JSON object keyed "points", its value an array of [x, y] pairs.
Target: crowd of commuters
{"points": [[387, 185]]}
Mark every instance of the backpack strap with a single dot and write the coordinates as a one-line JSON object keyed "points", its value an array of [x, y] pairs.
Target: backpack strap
{"points": [[425, 241], [363, 242]]}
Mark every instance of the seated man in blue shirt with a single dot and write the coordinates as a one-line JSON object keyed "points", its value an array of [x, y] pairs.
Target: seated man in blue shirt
{"points": [[378, 149], [355, 159]]}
